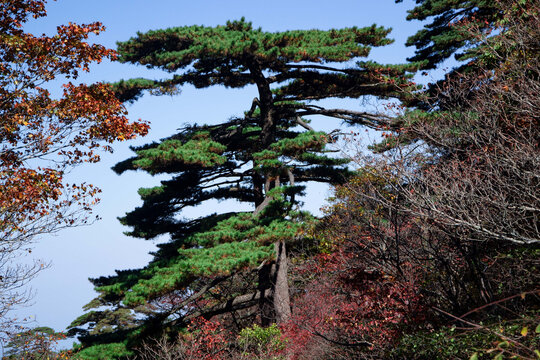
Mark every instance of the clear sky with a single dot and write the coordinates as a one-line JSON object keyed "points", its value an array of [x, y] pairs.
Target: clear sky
{"points": [[96, 250]]}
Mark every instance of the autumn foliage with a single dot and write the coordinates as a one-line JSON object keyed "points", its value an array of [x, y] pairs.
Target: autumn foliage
{"points": [[348, 307], [43, 136], [34, 344]]}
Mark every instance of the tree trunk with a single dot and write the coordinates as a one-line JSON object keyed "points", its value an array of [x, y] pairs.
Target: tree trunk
{"points": [[282, 305], [266, 308], [267, 122]]}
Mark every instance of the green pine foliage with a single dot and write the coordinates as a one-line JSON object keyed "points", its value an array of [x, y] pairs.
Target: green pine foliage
{"points": [[447, 32], [105, 352], [264, 158], [464, 30]]}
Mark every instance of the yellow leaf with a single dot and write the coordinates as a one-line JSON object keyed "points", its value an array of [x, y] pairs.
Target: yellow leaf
{"points": [[524, 331]]}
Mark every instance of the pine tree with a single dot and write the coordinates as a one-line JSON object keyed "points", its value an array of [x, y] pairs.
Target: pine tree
{"points": [[465, 30], [233, 262], [449, 33]]}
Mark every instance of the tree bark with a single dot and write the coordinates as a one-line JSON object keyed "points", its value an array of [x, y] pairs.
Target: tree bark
{"points": [[266, 307], [281, 300], [282, 305]]}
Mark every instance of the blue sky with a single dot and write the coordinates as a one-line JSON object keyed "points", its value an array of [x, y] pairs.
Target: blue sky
{"points": [[96, 250]]}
